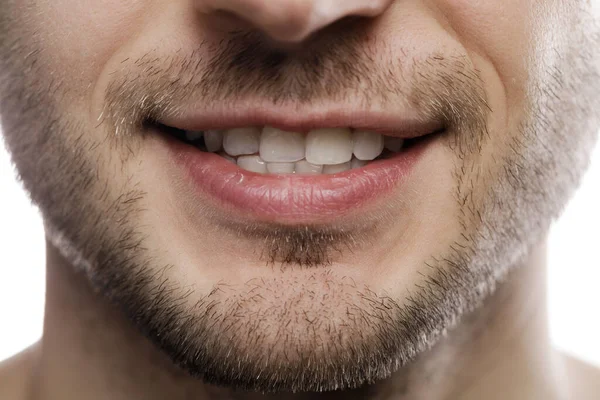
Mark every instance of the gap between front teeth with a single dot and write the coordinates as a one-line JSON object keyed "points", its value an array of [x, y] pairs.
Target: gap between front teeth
{"points": [[321, 151]]}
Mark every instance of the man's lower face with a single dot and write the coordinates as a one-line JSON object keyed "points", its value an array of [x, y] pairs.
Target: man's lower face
{"points": [[295, 218]]}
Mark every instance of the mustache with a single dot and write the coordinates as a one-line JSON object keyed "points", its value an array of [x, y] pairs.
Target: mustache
{"points": [[330, 67]]}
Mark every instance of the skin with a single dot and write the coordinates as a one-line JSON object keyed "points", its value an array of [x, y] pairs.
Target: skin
{"points": [[433, 292]]}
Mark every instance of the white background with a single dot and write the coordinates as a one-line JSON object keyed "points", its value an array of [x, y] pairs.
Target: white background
{"points": [[574, 270]]}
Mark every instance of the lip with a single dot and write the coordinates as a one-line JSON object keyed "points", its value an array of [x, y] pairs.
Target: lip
{"points": [[292, 199], [404, 122]]}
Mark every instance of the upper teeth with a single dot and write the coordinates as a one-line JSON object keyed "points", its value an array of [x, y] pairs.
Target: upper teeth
{"points": [[213, 140], [367, 145], [281, 146], [241, 141], [277, 151], [329, 146]]}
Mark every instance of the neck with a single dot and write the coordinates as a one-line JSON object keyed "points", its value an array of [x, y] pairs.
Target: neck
{"points": [[502, 350]]}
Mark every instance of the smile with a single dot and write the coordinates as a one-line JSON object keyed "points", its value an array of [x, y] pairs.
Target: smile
{"points": [[277, 173], [275, 151]]}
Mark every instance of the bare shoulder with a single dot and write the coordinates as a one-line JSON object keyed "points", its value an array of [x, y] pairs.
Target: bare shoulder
{"points": [[584, 379], [15, 373]]}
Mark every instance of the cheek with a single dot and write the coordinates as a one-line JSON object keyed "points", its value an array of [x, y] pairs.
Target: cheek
{"points": [[499, 31], [77, 37]]}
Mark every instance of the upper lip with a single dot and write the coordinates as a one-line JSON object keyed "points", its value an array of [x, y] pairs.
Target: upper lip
{"points": [[404, 123]]}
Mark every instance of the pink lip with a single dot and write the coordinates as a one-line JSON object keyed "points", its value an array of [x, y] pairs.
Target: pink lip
{"points": [[291, 198], [310, 199], [404, 123]]}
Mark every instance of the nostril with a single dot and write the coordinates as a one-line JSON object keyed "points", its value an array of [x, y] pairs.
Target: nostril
{"points": [[292, 21], [285, 21]]}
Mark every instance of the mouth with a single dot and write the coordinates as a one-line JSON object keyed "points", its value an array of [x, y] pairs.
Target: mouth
{"points": [[268, 150], [292, 174]]}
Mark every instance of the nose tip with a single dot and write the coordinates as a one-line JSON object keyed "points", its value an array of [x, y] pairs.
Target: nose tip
{"points": [[294, 20]]}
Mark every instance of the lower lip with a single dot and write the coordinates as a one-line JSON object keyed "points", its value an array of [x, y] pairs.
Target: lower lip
{"points": [[292, 198]]}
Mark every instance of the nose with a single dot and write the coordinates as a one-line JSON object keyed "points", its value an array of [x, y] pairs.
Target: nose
{"points": [[293, 20]]}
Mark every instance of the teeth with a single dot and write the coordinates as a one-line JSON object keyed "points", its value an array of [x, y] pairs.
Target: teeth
{"points": [[334, 169], [306, 168], [321, 151], [280, 168], [367, 145], [393, 143], [192, 136], [213, 140], [252, 163], [356, 163], [241, 141], [227, 157], [329, 146], [281, 146]]}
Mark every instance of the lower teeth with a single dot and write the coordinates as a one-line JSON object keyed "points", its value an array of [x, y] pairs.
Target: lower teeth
{"points": [[256, 164]]}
